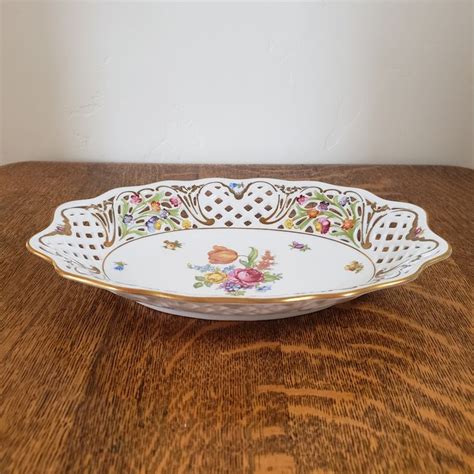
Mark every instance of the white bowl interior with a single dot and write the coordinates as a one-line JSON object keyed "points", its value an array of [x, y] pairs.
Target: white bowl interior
{"points": [[353, 239]]}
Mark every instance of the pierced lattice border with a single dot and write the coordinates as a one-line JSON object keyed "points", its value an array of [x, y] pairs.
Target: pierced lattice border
{"points": [[396, 238]]}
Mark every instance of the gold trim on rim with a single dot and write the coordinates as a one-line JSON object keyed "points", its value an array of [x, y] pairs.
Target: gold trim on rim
{"points": [[234, 299], [124, 290]]}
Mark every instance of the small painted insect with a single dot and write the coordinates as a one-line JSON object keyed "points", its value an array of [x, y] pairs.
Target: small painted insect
{"points": [[354, 266], [418, 232], [172, 245], [119, 266], [299, 246]]}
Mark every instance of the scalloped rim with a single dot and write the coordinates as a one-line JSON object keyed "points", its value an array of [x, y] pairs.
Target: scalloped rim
{"points": [[120, 289]]}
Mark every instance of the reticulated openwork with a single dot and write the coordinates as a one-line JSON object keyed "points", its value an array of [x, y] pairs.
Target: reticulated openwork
{"points": [[394, 236]]}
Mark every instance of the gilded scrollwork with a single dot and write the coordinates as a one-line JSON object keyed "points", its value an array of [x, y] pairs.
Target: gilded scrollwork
{"points": [[338, 214]]}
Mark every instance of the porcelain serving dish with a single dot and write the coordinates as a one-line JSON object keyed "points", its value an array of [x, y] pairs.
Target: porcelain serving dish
{"points": [[239, 250]]}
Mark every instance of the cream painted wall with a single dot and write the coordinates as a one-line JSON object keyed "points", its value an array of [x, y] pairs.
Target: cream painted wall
{"points": [[327, 82]]}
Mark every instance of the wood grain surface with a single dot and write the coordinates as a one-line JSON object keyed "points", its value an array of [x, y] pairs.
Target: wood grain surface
{"points": [[91, 382]]}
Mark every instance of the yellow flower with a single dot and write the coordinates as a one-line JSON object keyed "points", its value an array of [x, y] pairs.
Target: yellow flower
{"points": [[157, 225], [186, 224], [318, 226], [288, 224], [354, 266], [215, 277]]}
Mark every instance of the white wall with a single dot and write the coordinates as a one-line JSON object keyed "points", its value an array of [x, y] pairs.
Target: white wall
{"points": [[328, 82]]}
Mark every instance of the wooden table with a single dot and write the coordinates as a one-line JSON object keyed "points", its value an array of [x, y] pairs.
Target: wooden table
{"points": [[95, 383]]}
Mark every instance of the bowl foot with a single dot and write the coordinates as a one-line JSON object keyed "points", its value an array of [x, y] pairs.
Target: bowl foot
{"points": [[235, 317]]}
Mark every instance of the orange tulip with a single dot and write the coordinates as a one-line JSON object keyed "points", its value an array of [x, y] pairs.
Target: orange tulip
{"points": [[347, 224], [220, 254], [312, 213], [155, 205]]}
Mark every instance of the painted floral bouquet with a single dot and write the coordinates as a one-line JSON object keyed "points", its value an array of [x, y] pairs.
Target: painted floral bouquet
{"points": [[254, 272]]}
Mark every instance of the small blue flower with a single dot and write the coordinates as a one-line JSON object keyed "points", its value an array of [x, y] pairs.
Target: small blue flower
{"points": [[234, 185], [323, 206], [231, 286], [119, 266], [127, 219], [150, 224], [264, 288], [203, 268], [228, 269], [343, 200], [163, 214]]}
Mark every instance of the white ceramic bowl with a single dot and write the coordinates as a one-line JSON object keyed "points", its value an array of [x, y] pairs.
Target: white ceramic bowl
{"points": [[239, 250]]}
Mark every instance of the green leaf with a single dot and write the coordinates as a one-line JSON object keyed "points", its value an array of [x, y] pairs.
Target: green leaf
{"points": [[124, 207], [331, 215], [198, 285], [319, 196], [353, 209], [139, 232], [199, 278], [351, 232], [157, 197], [208, 283], [252, 257], [139, 207], [334, 201], [171, 223], [304, 223], [174, 212], [145, 214], [269, 277], [123, 230], [245, 263]]}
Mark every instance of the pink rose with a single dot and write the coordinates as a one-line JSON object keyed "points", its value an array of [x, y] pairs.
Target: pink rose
{"points": [[175, 201], [301, 199], [325, 224], [247, 276], [135, 198]]}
